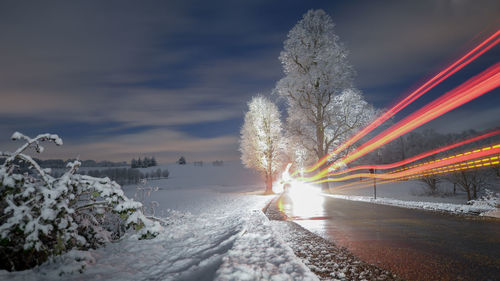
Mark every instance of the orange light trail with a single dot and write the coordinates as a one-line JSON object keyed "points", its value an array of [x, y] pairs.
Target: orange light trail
{"points": [[417, 157], [457, 162], [471, 89], [480, 49], [491, 161], [485, 162]]}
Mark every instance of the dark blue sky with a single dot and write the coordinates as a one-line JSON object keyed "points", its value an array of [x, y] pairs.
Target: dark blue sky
{"points": [[121, 79]]}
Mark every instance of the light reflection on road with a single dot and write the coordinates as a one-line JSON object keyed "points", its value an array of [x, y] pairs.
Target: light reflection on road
{"points": [[417, 245], [303, 202]]}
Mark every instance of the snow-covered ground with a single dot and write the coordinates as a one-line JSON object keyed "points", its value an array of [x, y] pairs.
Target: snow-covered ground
{"points": [[216, 231], [411, 194]]}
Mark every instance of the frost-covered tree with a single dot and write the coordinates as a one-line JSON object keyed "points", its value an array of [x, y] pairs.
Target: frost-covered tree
{"points": [[261, 138], [181, 161], [323, 107], [42, 216]]}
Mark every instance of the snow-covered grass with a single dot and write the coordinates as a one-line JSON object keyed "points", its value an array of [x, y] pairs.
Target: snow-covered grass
{"points": [[231, 177], [411, 190], [215, 231], [434, 206], [410, 194]]}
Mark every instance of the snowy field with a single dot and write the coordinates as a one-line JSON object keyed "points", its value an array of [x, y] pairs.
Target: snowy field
{"points": [[411, 194], [216, 231]]}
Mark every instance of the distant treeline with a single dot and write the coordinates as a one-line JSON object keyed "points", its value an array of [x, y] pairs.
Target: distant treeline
{"points": [[123, 175], [143, 163], [217, 163]]}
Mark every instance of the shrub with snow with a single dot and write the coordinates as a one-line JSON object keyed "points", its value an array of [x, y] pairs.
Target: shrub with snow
{"points": [[489, 199], [42, 216]]}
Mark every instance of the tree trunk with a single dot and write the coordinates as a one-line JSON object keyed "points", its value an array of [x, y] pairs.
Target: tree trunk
{"points": [[468, 193], [269, 184], [474, 191], [325, 186]]}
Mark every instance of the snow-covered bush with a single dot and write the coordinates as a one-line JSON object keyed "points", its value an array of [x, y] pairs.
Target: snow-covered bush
{"points": [[42, 216], [430, 184], [489, 198], [143, 191]]}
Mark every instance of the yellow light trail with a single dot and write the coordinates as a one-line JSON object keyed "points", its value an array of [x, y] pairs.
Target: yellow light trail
{"points": [[470, 159]]}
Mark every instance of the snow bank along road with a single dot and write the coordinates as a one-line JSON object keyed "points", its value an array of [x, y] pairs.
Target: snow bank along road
{"points": [[415, 244]]}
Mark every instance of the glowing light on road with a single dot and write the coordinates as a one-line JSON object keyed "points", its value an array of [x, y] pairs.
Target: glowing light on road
{"points": [[279, 187], [417, 157], [302, 201], [470, 56], [471, 89]]}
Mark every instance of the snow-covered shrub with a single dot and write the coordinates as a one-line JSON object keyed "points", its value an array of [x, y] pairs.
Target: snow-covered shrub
{"points": [[430, 182], [489, 198], [143, 191], [43, 216]]}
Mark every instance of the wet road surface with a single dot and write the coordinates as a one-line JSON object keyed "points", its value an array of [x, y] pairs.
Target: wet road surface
{"points": [[415, 244]]}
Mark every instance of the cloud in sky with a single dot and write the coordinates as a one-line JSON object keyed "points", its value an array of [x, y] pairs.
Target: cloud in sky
{"points": [[394, 41], [119, 78]]}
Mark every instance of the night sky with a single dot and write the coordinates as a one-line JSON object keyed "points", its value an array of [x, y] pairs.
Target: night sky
{"points": [[122, 79]]}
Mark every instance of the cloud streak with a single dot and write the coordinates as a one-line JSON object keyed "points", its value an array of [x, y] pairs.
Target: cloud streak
{"points": [[117, 79]]}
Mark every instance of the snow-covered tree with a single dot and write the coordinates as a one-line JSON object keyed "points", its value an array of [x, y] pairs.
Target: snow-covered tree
{"points": [[42, 216], [261, 138], [133, 163], [323, 107], [181, 161]]}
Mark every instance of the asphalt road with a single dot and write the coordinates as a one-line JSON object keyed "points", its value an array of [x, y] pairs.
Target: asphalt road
{"points": [[415, 244]]}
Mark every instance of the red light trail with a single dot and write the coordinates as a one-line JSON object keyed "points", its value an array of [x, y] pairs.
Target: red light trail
{"points": [[471, 89], [480, 49], [417, 157], [447, 164]]}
